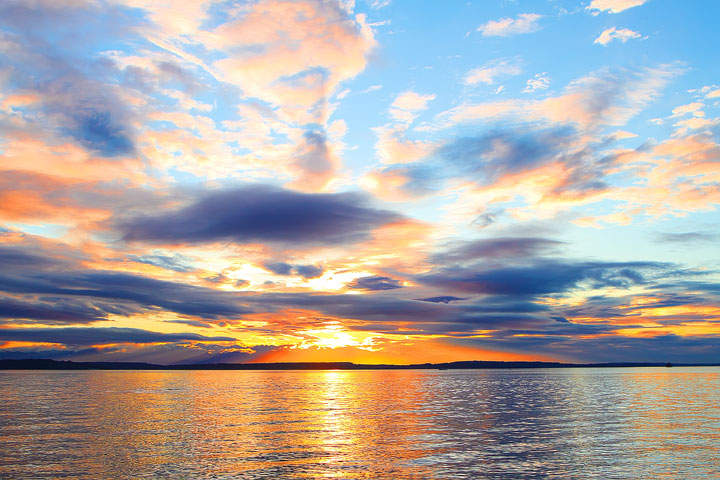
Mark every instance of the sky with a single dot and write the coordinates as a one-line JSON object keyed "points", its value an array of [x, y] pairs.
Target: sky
{"points": [[375, 181]]}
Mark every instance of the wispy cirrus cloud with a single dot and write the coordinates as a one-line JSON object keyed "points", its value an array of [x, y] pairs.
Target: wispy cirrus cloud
{"points": [[408, 105], [523, 23], [621, 34], [488, 73], [613, 6], [540, 81]]}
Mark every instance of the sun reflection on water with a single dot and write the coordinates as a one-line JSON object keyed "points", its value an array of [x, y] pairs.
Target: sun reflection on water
{"points": [[361, 424]]}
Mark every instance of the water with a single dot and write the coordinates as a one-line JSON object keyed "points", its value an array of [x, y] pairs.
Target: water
{"points": [[630, 423]]}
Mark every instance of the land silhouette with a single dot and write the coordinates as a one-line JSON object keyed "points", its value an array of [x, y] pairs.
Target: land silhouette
{"points": [[48, 364]]}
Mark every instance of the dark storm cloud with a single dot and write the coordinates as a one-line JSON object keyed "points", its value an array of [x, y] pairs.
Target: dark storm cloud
{"points": [[165, 353], [382, 307], [262, 214], [441, 299], [542, 277], [501, 304], [282, 268], [279, 268], [626, 307], [375, 283], [177, 297], [97, 336], [53, 290], [608, 348], [60, 311], [381, 310], [14, 257], [308, 271], [120, 293]]}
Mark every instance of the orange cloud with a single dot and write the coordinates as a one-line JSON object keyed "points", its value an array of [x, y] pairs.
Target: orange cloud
{"points": [[292, 54]]}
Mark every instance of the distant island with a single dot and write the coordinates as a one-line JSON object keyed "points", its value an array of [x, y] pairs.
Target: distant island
{"points": [[47, 364]]}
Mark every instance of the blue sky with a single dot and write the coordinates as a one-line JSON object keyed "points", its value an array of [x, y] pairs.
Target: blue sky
{"points": [[376, 181]]}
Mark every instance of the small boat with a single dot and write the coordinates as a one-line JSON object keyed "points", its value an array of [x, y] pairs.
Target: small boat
{"points": [[668, 364]]}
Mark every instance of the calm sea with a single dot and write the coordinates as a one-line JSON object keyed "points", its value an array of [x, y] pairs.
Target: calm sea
{"points": [[631, 423]]}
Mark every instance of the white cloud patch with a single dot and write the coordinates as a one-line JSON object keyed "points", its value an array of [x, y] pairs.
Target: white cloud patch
{"points": [[693, 108], [524, 23], [488, 73], [613, 6], [408, 105], [540, 81], [622, 34], [377, 4], [605, 98]]}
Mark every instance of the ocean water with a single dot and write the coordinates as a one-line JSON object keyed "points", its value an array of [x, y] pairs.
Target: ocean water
{"points": [[629, 423]]}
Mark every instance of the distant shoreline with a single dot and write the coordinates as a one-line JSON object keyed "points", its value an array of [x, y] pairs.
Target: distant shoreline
{"points": [[47, 364]]}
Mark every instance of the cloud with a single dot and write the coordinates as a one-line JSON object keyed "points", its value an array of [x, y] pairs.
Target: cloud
{"points": [[55, 281], [613, 6], [375, 283], [175, 261], [308, 271], [694, 108], [688, 237], [500, 248], [541, 278], [32, 197], [50, 311], [128, 290], [446, 299], [261, 214], [408, 105], [292, 54], [540, 81], [608, 97], [314, 162], [79, 336], [74, 97], [305, 271], [524, 23], [166, 353], [378, 4], [608, 348], [506, 155], [394, 147], [488, 73], [489, 157], [279, 268], [610, 34], [285, 57]]}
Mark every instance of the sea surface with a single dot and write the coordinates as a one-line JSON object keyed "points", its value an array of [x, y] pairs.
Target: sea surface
{"points": [[603, 423]]}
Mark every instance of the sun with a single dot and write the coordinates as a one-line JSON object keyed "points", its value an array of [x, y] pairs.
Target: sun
{"points": [[333, 335]]}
